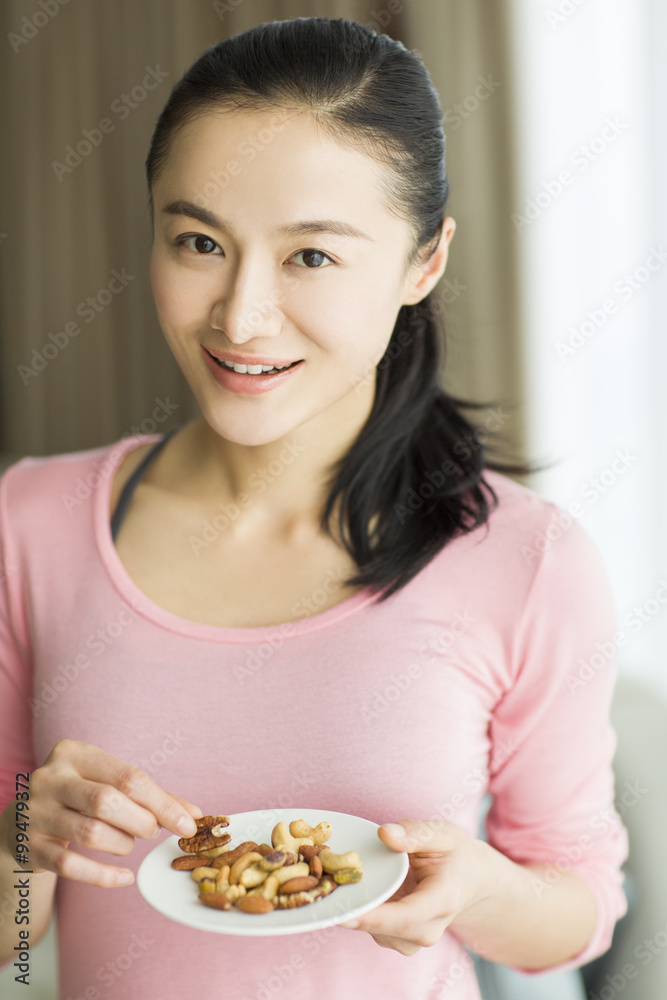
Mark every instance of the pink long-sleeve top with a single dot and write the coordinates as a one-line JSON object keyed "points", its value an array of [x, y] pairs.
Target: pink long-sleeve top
{"points": [[490, 671]]}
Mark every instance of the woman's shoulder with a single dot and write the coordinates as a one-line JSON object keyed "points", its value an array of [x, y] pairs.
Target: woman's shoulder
{"points": [[524, 524], [38, 485]]}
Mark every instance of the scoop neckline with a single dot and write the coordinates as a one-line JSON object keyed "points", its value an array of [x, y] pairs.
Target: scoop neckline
{"points": [[143, 605]]}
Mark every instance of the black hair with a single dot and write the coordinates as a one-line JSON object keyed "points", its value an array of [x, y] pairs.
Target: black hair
{"points": [[413, 479]]}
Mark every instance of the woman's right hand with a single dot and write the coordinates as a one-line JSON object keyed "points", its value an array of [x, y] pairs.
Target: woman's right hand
{"points": [[83, 795]]}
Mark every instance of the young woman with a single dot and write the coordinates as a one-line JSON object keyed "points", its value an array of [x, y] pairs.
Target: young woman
{"points": [[321, 594]]}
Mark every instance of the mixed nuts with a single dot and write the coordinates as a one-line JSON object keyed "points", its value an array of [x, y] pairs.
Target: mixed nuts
{"points": [[296, 868]]}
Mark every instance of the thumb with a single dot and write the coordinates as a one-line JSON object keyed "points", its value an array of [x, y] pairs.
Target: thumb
{"points": [[414, 837]]}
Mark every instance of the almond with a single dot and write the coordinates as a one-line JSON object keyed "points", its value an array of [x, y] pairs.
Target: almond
{"points": [[302, 884], [187, 862], [216, 900], [254, 904]]}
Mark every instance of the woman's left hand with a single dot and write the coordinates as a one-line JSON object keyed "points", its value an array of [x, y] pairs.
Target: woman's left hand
{"points": [[448, 876]]}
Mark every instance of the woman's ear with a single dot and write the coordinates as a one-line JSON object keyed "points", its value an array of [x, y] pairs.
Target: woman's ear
{"points": [[423, 277]]}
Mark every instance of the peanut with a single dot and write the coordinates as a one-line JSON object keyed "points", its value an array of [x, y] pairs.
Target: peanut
{"points": [[199, 873], [252, 876]]}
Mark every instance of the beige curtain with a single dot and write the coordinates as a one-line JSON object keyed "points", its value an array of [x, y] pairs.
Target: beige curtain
{"points": [[83, 360]]}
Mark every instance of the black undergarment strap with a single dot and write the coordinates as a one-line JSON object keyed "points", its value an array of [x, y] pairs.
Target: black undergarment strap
{"points": [[128, 489]]}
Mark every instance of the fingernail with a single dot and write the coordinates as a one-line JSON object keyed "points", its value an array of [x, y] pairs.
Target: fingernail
{"points": [[352, 924], [395, 829], [125, 878], [157, 833], [186, 826]]}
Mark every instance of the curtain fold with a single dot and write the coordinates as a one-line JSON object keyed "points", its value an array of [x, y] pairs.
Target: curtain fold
{"points": [[83, 360]]}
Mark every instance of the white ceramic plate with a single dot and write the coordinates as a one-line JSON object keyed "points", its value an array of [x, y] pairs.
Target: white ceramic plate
{"points": [[174, 893]]}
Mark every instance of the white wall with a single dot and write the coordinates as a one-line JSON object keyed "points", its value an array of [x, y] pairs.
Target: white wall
{"points": [[587, 103]]}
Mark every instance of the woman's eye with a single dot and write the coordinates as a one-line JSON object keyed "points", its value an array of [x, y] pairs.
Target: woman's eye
{"points": [[313, 258], [203, 246]]}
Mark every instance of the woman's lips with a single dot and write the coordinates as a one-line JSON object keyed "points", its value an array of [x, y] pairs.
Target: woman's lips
{"points": [[247, 385]]}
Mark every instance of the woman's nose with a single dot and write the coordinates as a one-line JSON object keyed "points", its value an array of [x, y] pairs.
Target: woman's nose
{"points": [[249, 307]]}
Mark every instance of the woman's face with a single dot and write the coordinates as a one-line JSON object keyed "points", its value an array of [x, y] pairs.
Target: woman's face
{"points": [[239, 283]]}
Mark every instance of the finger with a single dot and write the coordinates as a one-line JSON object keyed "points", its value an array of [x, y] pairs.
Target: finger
{"points": [[191, 808], [400, 918], [104, 803], [431, 837], [69, 864], [397, 944], [89, 831], [97, 765]]}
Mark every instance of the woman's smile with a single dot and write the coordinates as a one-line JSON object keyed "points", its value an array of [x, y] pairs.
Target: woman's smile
{"points": [[248, 380]]}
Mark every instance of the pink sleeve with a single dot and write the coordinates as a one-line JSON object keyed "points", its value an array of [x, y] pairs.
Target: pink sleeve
{"points": [[16, 748], [551, 777]]}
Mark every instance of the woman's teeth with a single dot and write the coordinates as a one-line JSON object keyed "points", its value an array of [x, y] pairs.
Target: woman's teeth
{"points": [[251, 369]]}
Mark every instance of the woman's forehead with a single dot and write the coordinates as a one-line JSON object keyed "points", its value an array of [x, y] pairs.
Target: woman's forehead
{"points": [[274, 161]]}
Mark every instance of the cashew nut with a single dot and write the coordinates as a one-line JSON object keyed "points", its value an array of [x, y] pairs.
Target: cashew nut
{"points": [[333, 863], [282, 839], [291, 871], [252, 876], [319, 833], [241, 864]]}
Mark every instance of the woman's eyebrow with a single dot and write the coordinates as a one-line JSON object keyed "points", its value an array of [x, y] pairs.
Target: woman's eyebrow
{"points": [[202, 215]]}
